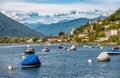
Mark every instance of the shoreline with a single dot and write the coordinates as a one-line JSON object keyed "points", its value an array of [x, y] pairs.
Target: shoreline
{"points": [[102, 44]]}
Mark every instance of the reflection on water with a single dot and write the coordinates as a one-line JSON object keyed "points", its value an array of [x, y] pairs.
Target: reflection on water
{"points": [[57, 63]]}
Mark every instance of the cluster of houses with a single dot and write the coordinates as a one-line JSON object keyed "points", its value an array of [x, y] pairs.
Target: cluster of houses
{"points": [[84, 35], [108, 33]]}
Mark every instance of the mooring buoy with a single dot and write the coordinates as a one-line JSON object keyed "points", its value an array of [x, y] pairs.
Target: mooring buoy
{"points": [[10, 67], [89, 60]]}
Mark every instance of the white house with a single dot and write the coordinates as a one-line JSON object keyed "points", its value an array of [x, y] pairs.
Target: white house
{"points": [[30, 40], [72, 31], [82, 35], [102, 39], [111, 32]]}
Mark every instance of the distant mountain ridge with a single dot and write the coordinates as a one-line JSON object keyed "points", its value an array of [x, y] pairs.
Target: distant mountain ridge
{"points": [[12, 28], [55, 28]]}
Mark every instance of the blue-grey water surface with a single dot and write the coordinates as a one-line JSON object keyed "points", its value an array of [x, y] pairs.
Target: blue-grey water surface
{"points": [[57, 63]]}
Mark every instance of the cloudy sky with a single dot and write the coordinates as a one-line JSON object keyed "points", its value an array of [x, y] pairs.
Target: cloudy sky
{"points": [[52, 11]]}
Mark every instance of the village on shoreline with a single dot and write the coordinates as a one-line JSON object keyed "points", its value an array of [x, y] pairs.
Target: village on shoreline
{"points": [[104, 31]]}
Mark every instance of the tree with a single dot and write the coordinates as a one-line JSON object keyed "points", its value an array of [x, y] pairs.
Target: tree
{"points": [[77, 39], [61, 33], [92, 38], [114, 38], [101, 34], [44, 39], [51, 35]]}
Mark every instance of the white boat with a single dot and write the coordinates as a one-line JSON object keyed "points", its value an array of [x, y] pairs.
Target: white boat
{"points": [[73, 47], [103, 57], [46, 49], [30, 51]]}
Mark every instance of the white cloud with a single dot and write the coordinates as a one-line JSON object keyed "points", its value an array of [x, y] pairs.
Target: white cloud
{"points": [[15, 16], [21, 11], [46, 9]]}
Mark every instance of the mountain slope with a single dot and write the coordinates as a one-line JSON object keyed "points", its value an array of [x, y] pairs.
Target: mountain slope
{"points": [[105, 30], [114, 17], [55, 28], [12, 28]]}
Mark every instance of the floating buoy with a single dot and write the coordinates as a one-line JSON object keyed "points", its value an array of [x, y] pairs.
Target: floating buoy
{"points": [[89, 61], [103, 57], [23, 56], [10, 68]]}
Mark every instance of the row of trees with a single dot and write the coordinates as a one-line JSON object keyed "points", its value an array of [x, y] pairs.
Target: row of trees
{"points": [[15, 40]]}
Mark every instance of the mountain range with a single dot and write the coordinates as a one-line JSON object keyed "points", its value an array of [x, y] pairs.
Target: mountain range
{"points": [[64, 26], [12, 28]]}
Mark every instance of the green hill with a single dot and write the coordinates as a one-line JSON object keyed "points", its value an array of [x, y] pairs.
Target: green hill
{"points": [[105, 30], [115, 16], [12, 28]]}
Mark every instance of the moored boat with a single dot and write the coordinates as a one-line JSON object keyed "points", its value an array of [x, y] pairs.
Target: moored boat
{"points": [[31, 61], [103, 57], [116, 48], [73, 47], [30, 51], [113, 52], [46, 49], [60, 46]]}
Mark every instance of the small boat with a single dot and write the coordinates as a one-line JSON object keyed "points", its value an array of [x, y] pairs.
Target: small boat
{"points": [[113, 52], [87, 46], [115, 48], [94, 45], [30, 51], [46, 49], [103, 57], [73, 47], [60, 46], [31, 61]]}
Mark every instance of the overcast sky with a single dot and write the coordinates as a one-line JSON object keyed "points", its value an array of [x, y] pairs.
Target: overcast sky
{"points": [[51, 11]]}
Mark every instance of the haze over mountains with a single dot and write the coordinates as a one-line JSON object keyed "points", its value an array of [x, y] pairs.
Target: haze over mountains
{"points": [[12, 28], [64, 26]]}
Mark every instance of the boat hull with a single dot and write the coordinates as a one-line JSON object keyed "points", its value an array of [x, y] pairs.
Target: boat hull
{"points": [[46, 50], [60, 47], [31, 66], [112, 54]]}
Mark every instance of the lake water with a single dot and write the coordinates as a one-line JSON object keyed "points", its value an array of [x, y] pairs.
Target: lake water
{"points": [[57, 63]]}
